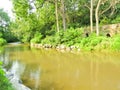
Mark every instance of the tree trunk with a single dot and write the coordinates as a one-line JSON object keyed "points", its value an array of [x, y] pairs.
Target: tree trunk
{"points": [[97, 17], [56, 13], [63, 15], [91, 16]]}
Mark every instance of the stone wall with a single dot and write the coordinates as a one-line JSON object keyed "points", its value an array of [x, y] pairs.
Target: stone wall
{"points": [[111, 28]]}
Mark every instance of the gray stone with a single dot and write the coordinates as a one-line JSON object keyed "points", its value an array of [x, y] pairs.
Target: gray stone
{"points": [[15, 81]]}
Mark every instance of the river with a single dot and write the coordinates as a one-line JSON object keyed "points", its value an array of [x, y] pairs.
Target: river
{"points": [[49, 69]]}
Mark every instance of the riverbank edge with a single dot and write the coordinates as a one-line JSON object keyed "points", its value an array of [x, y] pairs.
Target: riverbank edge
{"points": [[62, 47], [58, 47], [14, 80]]}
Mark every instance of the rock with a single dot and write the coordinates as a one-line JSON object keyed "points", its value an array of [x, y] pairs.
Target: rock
{"points": [[78, 49], [39, 46], [62, 47], [68, 49], [72, 47], [15, 81], [32, 45], [47, 46]]}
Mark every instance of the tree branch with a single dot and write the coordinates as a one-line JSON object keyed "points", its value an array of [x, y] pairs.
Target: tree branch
{"points": [[87, 6], [106, 9]]}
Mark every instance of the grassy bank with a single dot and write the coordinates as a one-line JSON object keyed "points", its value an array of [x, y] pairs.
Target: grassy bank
{"points": [[80, 40], [4, 82]]}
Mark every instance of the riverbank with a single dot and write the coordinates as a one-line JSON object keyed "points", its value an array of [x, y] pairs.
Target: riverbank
{"points": [[10, 81], [81, 43], [58, 47], [15, 81], [4, 82]]}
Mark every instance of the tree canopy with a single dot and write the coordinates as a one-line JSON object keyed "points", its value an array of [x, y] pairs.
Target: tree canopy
{"points": [[50, 16]]}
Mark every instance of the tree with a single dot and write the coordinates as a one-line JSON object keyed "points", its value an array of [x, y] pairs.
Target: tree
{"points": [[50, 16], [102, 7], [91, 15], [90, 7], [56, 13], [4, 20], [5, 26], [63, 14], [97, 17]]}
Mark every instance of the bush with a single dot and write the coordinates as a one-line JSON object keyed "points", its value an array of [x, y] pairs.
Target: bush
{"points": [[116, 20], [70, 36], [115, 43], [1, 35], [91, 42], [9, 37], [2, 42], [75, 37], [37, 38], [51, 40]]}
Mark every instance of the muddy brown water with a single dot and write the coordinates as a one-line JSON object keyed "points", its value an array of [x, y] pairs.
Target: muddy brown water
{"points": [[48, 69]]}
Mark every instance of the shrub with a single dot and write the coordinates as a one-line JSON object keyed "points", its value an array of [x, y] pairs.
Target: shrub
{"points": [[1, 34], [91, 42], [9, 37], [96, 40], [115, 43], [70, 35], [2, 42], [51, 40], [37, 38]]}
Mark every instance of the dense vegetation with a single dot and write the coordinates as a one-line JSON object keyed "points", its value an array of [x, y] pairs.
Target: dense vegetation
{"points": [[64, 22], [76, 38], [5, 32], [4, 82]]}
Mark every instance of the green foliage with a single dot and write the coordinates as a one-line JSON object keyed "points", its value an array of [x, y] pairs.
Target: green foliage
{"points": [[37, 38], [70, 35], [93, 42], [2, 42], [116, 20], [43, 20], [52, 40], [5, 31], [105, 21], [9, 37], [115, 43], [4, 82], [1, 35], [4, 16], [75, 37], [48, 40]]}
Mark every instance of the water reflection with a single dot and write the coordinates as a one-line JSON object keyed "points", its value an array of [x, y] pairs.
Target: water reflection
{"points": [[54, 70], [16, 67], [35, 75], [94, 70]]}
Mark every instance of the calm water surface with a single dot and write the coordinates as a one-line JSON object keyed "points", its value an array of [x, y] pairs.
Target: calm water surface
{"points": [[54, 70]]}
